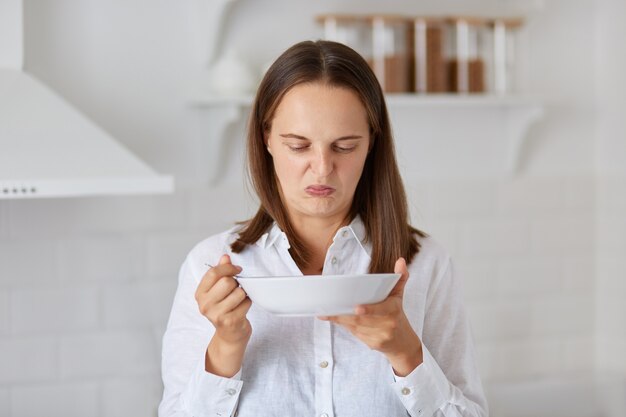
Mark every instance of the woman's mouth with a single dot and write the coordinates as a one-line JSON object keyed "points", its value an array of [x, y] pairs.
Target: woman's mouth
{"points": [[319, 190]]}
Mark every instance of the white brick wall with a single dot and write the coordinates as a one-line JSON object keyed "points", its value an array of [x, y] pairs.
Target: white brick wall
{"points": [[27, 262], [165, 252], [610, 274], [524, 248], [138, 304], [101, 258], [4, 313], [91, 304], [31, 359], [5, 406], [137, 397], [496, 238], [78, 399], [54, 311], [529, 277], [109, 354]]}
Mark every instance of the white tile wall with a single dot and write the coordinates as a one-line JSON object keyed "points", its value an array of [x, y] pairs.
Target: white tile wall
{"points": [[109, 354], [78, 399], [137, 397], [610, 274], [32, 359], [27, 262], [562, 314], [495, 238], [579, 275], [138, 304], [4, 313], [524, 195], [577, 355], [165, 252], [47, 312], [101, 258], [4, 222], [107, 290], [495, 322], [5, 405], [454, 199], [479, 279], [529, 277], [564, 234]]}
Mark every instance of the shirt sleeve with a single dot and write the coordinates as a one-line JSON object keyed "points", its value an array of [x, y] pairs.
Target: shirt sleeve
{"points": [[446, 383], [188, 389]]}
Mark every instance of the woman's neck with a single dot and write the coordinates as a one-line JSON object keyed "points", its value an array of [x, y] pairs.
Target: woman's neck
{"points": [[317, 235]]}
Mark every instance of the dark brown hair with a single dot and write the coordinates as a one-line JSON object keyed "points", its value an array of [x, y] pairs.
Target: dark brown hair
{"points": [[379, 198]]}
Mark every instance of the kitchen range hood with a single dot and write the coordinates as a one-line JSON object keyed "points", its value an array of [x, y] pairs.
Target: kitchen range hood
{"points": [[47, 147]]}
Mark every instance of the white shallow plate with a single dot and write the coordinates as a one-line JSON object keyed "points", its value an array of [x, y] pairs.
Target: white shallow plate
{"points": [[317, 295]]}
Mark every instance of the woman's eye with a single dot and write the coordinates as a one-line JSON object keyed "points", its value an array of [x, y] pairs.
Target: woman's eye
{"points": [[297, 148], [344, 148]]}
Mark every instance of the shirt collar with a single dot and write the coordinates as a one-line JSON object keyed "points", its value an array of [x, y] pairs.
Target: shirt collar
{"points": [[356, 229], [268, 239]]}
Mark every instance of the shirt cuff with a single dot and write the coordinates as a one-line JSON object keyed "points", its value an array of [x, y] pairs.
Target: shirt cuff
{"points": [[210, 395], [423, 390]]}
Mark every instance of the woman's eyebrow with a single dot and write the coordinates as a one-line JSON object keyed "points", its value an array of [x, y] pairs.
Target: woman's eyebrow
{"points": [[294, 136]]}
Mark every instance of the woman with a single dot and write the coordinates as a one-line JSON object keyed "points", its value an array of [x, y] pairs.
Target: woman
{"points": [[322, 162]]}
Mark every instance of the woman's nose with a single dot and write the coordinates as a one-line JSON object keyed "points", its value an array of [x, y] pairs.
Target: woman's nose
{"points": [[322, 163]]}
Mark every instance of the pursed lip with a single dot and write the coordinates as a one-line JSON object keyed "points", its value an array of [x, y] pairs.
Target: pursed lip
{"points": [[319, 190]]}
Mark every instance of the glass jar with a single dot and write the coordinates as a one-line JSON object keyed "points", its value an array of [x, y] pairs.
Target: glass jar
{"points": [[467, 55], [351, 30], [430, 71], [392, 50], [504, 35]]}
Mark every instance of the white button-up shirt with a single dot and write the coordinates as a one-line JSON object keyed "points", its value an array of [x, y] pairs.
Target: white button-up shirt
{"points": [[302, 366]]}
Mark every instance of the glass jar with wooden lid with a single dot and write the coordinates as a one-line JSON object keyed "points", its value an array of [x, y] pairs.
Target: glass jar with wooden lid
{"points": [[467, 54]]}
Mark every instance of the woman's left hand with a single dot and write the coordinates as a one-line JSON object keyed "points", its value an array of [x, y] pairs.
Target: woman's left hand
{"points": [[385, 327]]}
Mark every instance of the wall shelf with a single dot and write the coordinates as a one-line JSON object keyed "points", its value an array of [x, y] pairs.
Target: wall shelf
{"points": [[428, 129]]}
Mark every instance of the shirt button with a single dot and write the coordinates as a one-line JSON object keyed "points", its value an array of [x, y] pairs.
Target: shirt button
{"points": [[231, 391], [344, 233], [405, 391], [323, 364], [333, 260]]}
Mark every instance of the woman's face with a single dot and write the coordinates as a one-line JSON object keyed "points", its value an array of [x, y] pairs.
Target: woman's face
{"points": [[319, 141]]}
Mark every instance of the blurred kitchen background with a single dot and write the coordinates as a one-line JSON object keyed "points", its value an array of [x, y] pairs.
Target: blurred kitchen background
{"points": [[526, 189]]}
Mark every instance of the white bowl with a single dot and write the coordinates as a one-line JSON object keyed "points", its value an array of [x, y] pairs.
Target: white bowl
{"points": [[317, 295]]}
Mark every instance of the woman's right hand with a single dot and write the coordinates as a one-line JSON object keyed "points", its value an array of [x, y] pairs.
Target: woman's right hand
{"points": [[225, 304]]}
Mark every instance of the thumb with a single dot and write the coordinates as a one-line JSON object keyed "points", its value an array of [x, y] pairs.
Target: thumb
{"points": [[224, 259], [400, 268]]}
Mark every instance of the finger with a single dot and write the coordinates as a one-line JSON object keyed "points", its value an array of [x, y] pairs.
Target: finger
{"points": [[224, 259], [234, 318], [214, 274], [232, 300], [384, 308], [222, 289], [351, 322], [242, 309], [400, 268]]}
